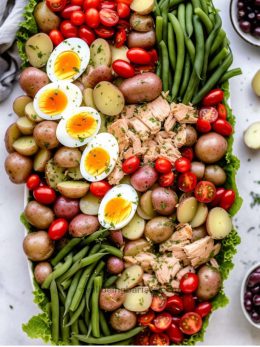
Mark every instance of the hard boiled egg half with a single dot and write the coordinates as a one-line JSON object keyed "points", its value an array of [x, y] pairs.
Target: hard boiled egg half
{"points": [[56, 99], [99, 157], [78, 126], [118, 207], [68, 60]]}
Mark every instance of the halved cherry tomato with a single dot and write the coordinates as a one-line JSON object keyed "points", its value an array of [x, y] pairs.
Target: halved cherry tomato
{"points": [[120, 38], [187, 152], [100, 188], [58, 228], [203, 125], [175, 333], [131, 164], [163, 165], [227, 199], [213, 98], [138, 56], [56, 5], [219, 194], [86, 34], [56, 37], [123, 24], [68, 10], [208, 113], [77, 18], [159, 340], [166, 180], [77, 2], [108, 18], [142, 339], [188, 303], [33, 182], [163, 321], [176, 320], [68, 29], [154, 329], [123, 10], [146, 318], [91, 4], [111, 5], [182, 164], [174, 304], [204, 309], [205, 191], [154, 56], [187, 182], [92, 17], [44, 195], [189, 283], [190, 323], [222, 111], [104, 32], [159, 302], [223, 127], [128, 2]]}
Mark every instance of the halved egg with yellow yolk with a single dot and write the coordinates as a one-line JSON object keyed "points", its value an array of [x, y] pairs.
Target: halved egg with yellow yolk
{"points": [[99, 157], [118, 207], [55, 99], [68, 60], [78, 127]]}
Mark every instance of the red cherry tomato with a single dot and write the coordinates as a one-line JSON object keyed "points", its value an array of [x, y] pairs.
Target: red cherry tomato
{"points": [[189, 283], [111, 5], [68, 29], [56, 37], [33, 182], [208, 113], [154, 56], [123, 24], [166, 180], [91, 4], [123, 68], [120, 38], [163, 165], [203, 125], [100, 188], [223, 127], [204, 309], [142, 339], [92, 17], [128, 2], [58, 228], [182, 164], [77, 2], [219, 194], [163, 321], [205, 191], [86, 34], [176, 320], [187, 182], [138, 56], [131, 164], [187, 152], [56, 5], [227, 199], [213, 98], [154, 329], [159, 340], [174, 304], [108, 18], [222, 111], [68, 10], [159, 302], [104, 32], [44, 195], [188, 303], [123, 10], [147, 318], [175, 334], [77, 18], [190, 323]]}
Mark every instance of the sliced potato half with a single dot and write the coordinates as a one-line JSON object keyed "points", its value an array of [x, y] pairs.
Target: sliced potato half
{"points": [[73, 189], [219, 223], [26, 145], [142, 6], [252, 136], [187, 209], [41, 159], [11, 135], [89, 204], [25, 125], [130, 277], [200, 216], [135, 229], [138, 300]]}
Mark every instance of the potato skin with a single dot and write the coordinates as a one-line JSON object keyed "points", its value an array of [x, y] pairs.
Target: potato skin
{"points": [[42, 271], [45, 18], [198, 169], [198, 233], [38, 246], [215, 174], [32, 80], [191, 136], [66, 208], [67, 157], [210, 282], [158, 229], [19, 105], [38, 49], [83, 225], [45, 134], [115, 265], [111, 299], [38, 215], [141, 88], [211, 147], [141, 23], [132, 248], [96, 75], [164, 200], [144, 178], [18, 167], [11, 135], [144, 40], [123, 320]]}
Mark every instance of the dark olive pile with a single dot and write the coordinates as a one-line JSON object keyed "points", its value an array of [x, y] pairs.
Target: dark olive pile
{"points": [[249, 16], [252, 296]]}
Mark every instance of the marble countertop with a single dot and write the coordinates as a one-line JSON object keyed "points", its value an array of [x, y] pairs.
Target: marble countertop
{"points": [[228, 326]]}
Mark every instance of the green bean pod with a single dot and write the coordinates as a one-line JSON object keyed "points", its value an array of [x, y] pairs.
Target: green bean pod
{"points": [[165, 66], [188, 19], [165, 21], [65, 331], [97, 271], [95, 307], [82, 327], [77, 313], [65, 250], [218, 42], [55, 312], [110, 281], [159, 28], [157, 10], [229, 74], [204, 6], [188, 42], [196, 3], [102, 233], [95, 249], [81, 254], [74, 333], [218, 59], [186, 75], [103, 324], [72, 290], [205, 19], [171, 47], [175, 3], [112, 250]]}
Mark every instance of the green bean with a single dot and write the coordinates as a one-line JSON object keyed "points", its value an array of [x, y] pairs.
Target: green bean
{"points": [[74, 333], [204, 6], [102, 233], [57, 273], [188, 42], [48, 309], [65, 331], [54, 312], [159, 68], [110, 281], [171, 47], [186, 76], [212, 17], [97, 271], [126, 342], [229, 74], [204, 18], [180, 54], [165, 66], [103, 324], [162, 3], [66, 283], [65, 250], [218, 58], [81, 254], [218, 42], [87, 317], [196, 3], [77, 313], [95, 307], [170, 78], [61, 292], [214, 79], [82, 327], [165, 21], [181, 17], [95, 249], [157, 10], [72, 290], [159, 29], [110, 339], [112, 250], [175, 3], [188, 19]]}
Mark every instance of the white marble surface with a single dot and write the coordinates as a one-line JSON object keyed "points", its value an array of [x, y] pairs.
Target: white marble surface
{"points": [[227, 326]]}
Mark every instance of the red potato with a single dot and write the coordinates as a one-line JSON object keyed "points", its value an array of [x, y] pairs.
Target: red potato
{"points": [[117, 237], [96, 75], [83, 225], [164, 200], [18, 167], [45, 134], [111, 299], [32, 80], [115, 265], [66, 208], [123, 320], [144, 178], [144, 40]]}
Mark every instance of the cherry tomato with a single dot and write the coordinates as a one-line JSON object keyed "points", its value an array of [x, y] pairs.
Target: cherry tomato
{"points": [[120, 38], [56, 5], [154, 56], [58, 228], [104, 32], [174, 304], [187, 152], [175, 334], [111, 5], [131, 164], [77, 2], [159, 340], [166, 180], [159, 302], [123, 24], [44, 195], [223, 127], [190, 323], [189, 283], [68, 29], [139, 69], [147, 318], [56, 37], [182, 164], [33, 182], [142, 339], [86, 34], [187, 182], [188, 303], [227, 199], [176, 320], [163, 165], [213, 98], [100, 188], [68, 10], [128, 2], [222, 111], [108, 18], [163, 321], [77, 18], [208, 113], [154, 329], [203, 125], [138, 56], [204, 309], [92, 17], [91, 4], [219, 194], [123, 10], [205, 191]]}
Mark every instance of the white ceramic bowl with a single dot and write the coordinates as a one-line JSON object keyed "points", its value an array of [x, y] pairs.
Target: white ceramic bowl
{"points": [[243, 289], [234, 19]]}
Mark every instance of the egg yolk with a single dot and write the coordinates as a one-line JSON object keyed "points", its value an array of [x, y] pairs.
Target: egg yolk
{"points": [[97, 161], [117, 210], [67, 64], [53, 102], [81, 125]]}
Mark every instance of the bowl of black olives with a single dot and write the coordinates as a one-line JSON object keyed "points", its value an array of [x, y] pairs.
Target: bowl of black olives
{"points": [[245, 17], [250, 296]]}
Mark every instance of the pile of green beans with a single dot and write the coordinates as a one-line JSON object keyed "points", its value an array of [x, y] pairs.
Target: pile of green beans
{"points": [[194, 53]]}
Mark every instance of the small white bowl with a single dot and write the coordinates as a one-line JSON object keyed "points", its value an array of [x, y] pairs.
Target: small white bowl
{"points": [[243, 290]]}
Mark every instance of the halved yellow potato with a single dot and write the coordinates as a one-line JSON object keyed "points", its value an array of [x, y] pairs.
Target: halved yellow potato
{"points": [[25, 125], [142, 6], [100, 53], [19, 105], [130, 277], [73, 189], [108, 99], [11, 135], [219, 223], [31, 113], [26, 145], [41, 159], [138, 300], [89, 204], [200, 216], [187, 209], [135, 229]]}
